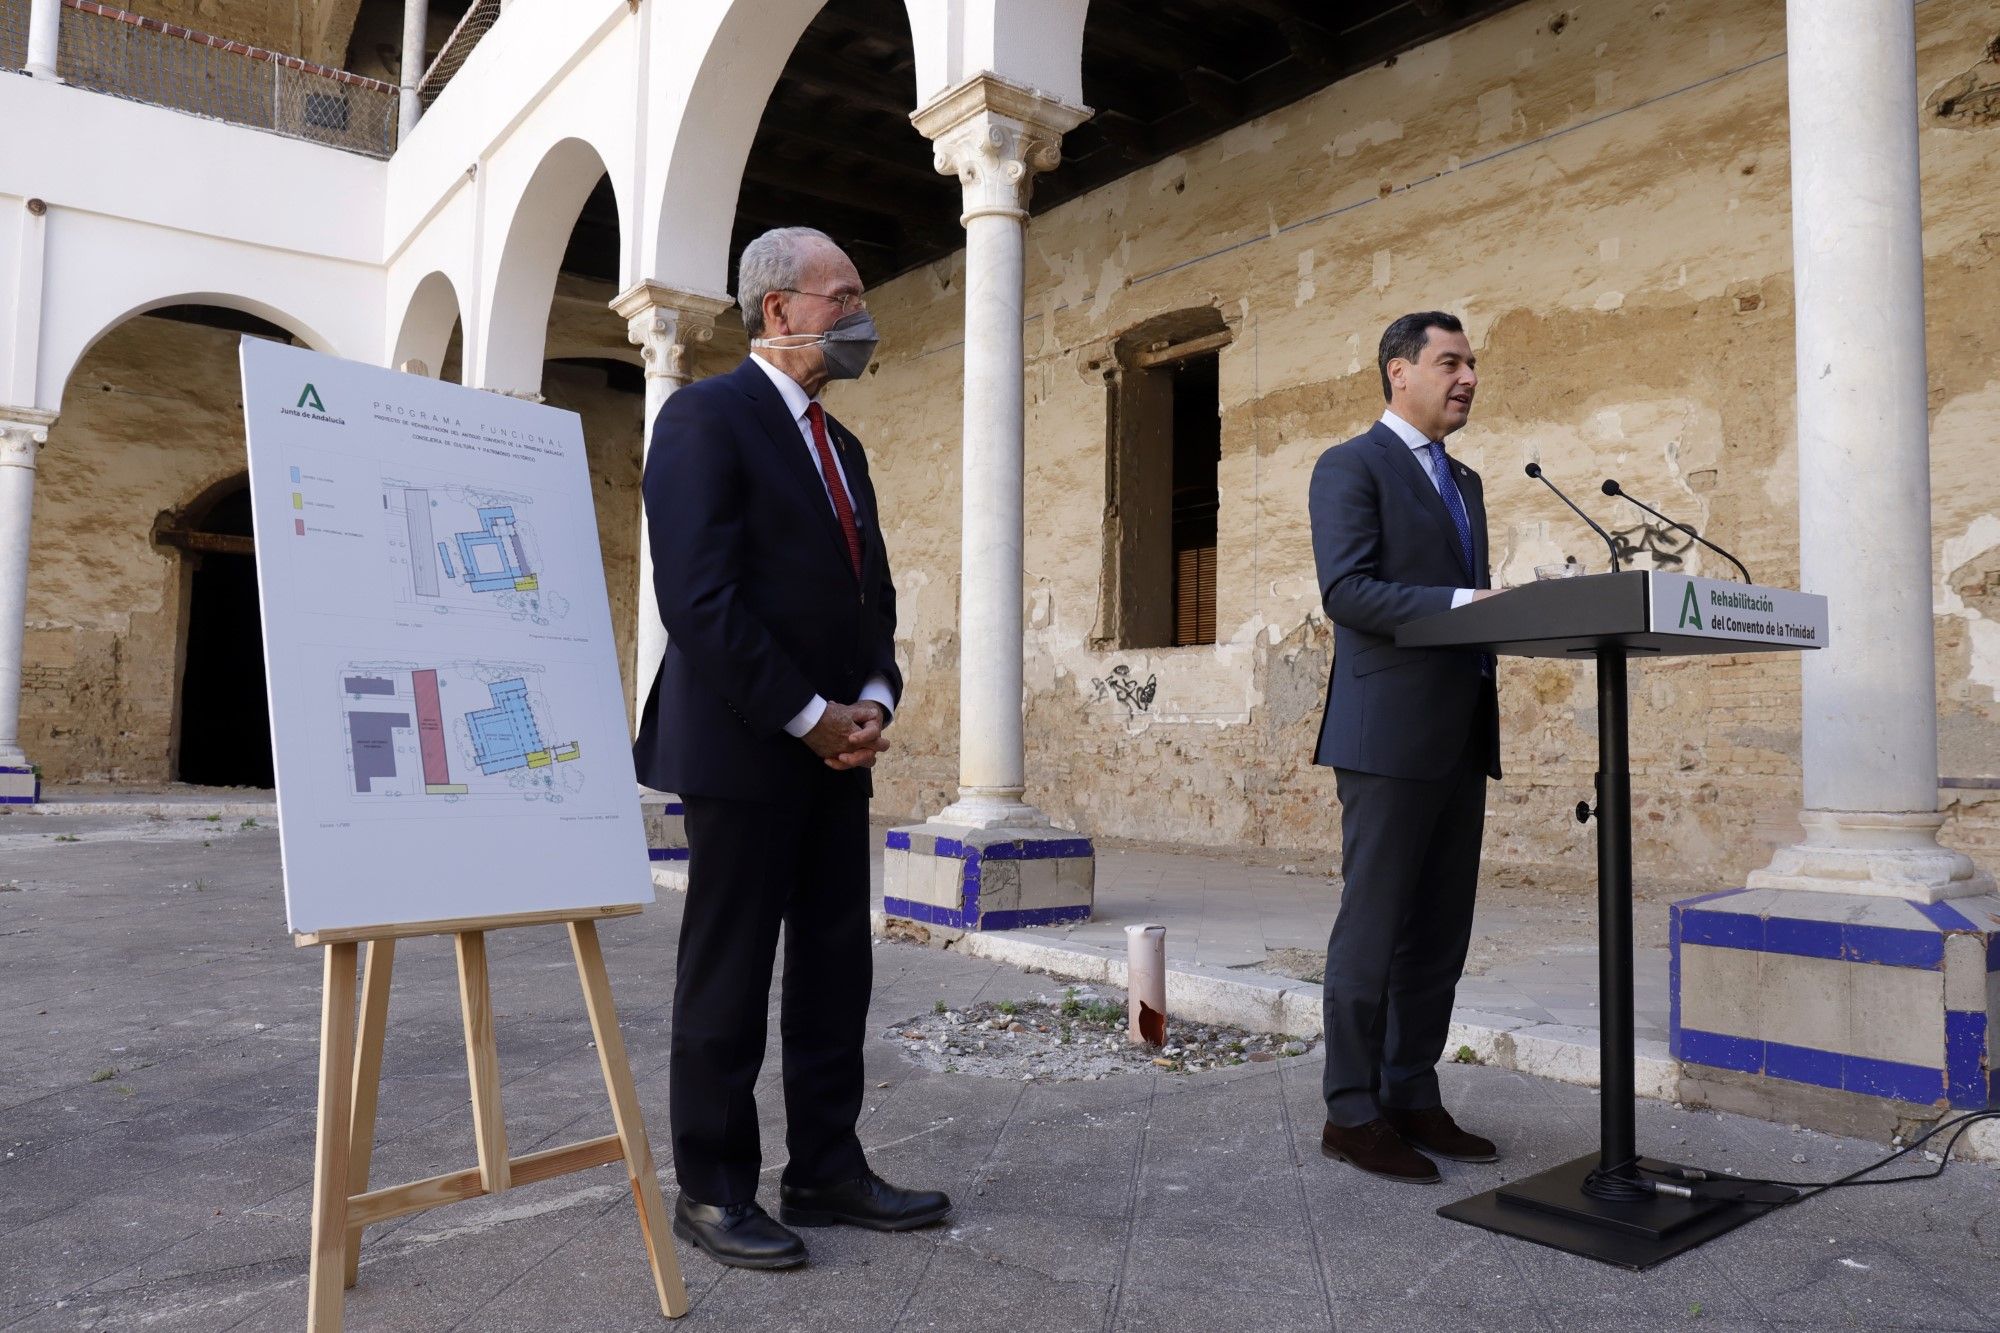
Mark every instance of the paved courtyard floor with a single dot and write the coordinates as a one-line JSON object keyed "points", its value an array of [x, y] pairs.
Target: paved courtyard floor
{"points": [[1533, 960], [157, 1061]]}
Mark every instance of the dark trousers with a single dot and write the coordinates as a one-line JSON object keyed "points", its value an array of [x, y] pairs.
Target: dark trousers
{"points": [[752, 866], [1409, 855]]}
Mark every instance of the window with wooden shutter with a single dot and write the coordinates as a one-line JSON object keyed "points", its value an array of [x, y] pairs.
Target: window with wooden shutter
{"points": [[1161, 541]]}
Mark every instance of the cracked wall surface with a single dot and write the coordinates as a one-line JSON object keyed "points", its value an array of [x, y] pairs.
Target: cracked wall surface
{"points": [[1606, 202], [315, 30]]}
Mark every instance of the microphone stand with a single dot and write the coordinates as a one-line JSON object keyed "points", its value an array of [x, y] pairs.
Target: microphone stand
{"points": [[1535, 470]]}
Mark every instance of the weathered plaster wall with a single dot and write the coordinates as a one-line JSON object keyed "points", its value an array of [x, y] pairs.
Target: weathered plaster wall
{"points": [[1603, 193], [153, 418], [315, 30]]}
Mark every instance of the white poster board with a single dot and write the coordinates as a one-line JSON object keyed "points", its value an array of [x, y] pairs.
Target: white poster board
{"points": [[446, 712]]}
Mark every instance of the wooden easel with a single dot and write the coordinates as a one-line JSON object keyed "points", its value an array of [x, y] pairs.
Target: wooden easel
{"points": [[350, 1071]]}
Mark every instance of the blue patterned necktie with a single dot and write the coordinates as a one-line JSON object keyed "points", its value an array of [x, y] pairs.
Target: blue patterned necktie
{"points": [[1454, 503]]}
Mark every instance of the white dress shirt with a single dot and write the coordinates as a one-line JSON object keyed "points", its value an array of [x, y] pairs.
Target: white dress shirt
{"points": [[796, 402], [1420, 445]]}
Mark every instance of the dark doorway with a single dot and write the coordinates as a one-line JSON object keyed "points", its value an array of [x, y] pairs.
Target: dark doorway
{"points": [[225, 715]]}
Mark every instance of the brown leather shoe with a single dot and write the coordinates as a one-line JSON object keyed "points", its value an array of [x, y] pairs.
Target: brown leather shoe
{"points": [[1376, 1149], [1433, 1130]]}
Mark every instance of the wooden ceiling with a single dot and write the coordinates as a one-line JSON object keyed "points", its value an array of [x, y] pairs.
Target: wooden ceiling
{"points": [[836, 149]]}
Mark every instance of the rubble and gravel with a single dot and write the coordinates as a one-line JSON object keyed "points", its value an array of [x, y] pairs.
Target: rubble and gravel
{"points": [[1077, 1035]]}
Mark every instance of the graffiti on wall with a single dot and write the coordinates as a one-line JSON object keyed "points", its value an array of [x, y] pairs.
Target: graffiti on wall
{"points": [[1652, 546], [1125, 687]]}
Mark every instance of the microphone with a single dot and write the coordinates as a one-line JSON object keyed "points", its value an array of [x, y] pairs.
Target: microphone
{"points": [[1611, 487], [1535, 470]]}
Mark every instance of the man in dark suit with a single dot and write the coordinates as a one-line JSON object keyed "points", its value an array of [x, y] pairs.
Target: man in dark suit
{"points": [[779, 678], [1399, 533]]}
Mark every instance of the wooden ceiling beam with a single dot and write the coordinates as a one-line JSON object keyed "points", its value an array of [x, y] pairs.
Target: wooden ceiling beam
{"points": [[796, 138], [1220, 97], [851, 83], [823, 186], [1136, 41]]}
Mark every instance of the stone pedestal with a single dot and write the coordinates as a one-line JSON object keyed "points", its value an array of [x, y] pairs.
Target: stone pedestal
{"points": [[19, 785], [1872, 996], [986, 879], [666, 838]]}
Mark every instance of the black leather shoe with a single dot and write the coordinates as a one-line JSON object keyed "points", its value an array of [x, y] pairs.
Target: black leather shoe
{"points": [[1433, 1130], [870, 1202], [1376, 1149], [741, 1235]]}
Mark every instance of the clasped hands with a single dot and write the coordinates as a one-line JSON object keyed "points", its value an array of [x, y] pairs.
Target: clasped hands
{"points": [[849, 735]]}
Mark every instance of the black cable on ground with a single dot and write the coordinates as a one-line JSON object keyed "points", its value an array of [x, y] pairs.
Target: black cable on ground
{"points": [[1811, 1188]]}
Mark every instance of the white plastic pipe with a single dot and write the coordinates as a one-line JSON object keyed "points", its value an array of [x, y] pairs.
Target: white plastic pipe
{"points": [[410, 105], [1146, 984], [44, 38]]}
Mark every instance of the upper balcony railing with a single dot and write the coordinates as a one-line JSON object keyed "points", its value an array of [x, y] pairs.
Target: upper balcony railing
{"points": [[127, 55], [479, 17]]}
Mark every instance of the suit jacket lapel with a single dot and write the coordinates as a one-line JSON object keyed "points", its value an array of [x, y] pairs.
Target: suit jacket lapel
{"points": [[1403, 461], [792, 459]]}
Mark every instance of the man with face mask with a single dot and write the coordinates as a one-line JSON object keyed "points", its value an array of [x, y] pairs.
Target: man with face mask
{"points": [[779, 680]]}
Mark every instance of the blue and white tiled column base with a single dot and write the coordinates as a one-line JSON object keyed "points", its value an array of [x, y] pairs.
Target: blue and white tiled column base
{"points": [[18, 785], [987, 879], [1881, 997], [666, 839]]}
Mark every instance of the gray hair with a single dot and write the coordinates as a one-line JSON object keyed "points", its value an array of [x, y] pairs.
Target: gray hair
{"points": [[774, 262]]}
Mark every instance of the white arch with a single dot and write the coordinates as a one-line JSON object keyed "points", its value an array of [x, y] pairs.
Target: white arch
{"points": [[99, 271], [515, 315], [263, 310], [718, 62], [425, 332]]}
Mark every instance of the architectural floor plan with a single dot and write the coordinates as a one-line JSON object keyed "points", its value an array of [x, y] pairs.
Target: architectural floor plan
{"points": [[461, 549], [453, 731]]}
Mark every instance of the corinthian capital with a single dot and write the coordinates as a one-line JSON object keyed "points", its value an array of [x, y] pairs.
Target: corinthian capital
{"points": [[23, 431], [665, 323], [994, 136]]}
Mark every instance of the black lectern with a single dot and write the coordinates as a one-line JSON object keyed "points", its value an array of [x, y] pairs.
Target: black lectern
{"points": [[1614, 1205]]}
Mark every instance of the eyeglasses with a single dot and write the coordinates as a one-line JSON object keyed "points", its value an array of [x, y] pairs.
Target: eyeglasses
{"points": [[848, 303]]}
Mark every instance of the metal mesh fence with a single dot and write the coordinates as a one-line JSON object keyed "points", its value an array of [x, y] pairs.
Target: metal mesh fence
{"points": [[13, 34], [108, 50], [481, 16]]}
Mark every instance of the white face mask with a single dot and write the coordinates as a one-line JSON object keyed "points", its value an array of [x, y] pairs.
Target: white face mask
{"points": [[848, 346]]}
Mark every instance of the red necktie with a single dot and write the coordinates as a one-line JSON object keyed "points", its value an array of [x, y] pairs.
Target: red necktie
{"points": [[843, 508]]}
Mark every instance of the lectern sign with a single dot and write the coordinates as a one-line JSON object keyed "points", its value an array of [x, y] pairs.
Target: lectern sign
{"points": [[1713, 608]]}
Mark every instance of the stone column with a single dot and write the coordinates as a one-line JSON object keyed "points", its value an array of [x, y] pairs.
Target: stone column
{"points": [[409, 107], [23, 431], [666, 324], [990, 860], [44, 38], [1851, 985], [993, 136], [1870, 698]]}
